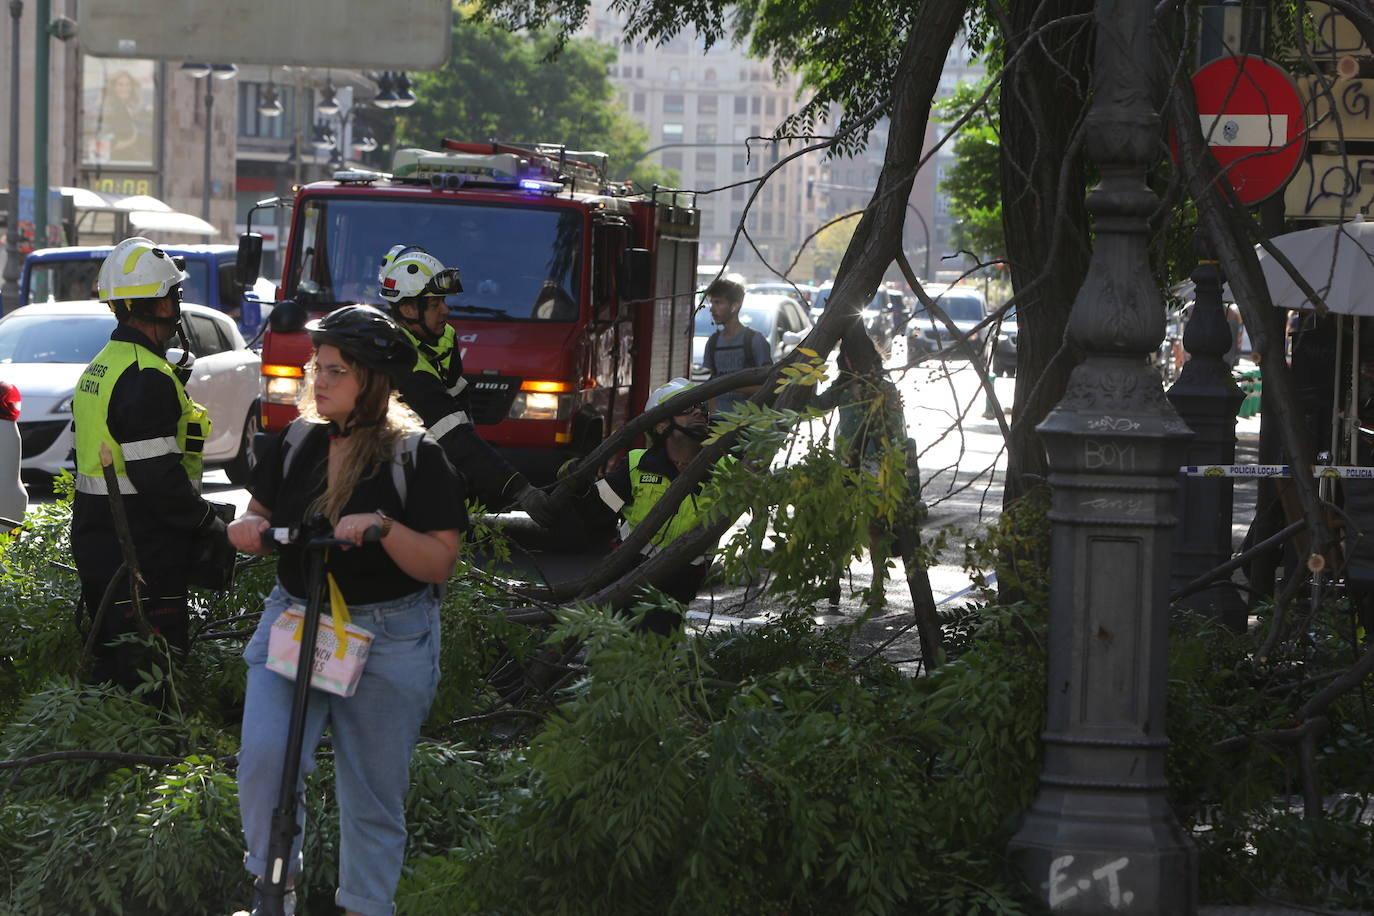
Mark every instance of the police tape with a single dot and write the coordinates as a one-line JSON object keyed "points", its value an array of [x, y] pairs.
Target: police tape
{"points": [[1273, 470]]}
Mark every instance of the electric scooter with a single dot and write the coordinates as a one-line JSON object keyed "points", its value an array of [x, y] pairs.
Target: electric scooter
{"points": [[283, 830]]}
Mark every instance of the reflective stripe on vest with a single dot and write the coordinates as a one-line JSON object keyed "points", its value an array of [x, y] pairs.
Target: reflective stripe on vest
{"points": [[90, 416], [95, 486], [449, 423], [646, 488]]}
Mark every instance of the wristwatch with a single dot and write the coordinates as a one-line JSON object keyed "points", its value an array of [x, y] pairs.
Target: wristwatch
{"points": [[387, 522]]}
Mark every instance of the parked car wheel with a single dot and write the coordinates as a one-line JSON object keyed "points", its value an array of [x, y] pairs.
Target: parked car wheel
{"points": [[242, 465]]}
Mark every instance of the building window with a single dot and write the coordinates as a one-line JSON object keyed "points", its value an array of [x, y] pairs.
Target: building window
{"points": [[639, 73], [767, 221], [708, 220], [770, 106], [673, 104], [706, 133], [754, 104], [737, 192], [672, 133], [707, 104], [672, 161], [639, 101], [706, 162], [738, 164], [674, 74], [710, 76], [741, 104]]}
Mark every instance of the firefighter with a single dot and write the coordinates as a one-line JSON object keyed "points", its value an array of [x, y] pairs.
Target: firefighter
{"points": [[636, 484], [131, 399], [415, 283]]}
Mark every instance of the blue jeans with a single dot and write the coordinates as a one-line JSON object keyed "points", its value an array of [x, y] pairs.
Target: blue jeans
{"points": [[374, 732]]}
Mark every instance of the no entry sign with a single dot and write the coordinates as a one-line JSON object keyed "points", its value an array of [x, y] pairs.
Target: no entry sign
{"points": [[1252, 121]]}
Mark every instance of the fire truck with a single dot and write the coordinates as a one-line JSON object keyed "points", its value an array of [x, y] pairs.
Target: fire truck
{"points": [[577, 299]]}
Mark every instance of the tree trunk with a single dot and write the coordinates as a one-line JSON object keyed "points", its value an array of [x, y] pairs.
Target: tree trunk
{"points": [[1044, 93], [874, 245]]}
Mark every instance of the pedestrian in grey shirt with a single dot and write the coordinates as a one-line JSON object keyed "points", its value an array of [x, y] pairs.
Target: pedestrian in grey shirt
{"points": [[733, 346]]}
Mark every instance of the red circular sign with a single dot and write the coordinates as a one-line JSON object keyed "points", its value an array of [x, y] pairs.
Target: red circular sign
{"points": [[1252, 120]]}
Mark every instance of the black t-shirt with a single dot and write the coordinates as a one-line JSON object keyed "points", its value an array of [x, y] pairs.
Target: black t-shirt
{"points": [[366, 574]]}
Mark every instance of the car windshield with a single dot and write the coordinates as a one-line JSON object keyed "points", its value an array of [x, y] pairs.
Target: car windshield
{"points": [[53, 338], [959, 307], [75, 279], [516, 263], [760, 320], [704, 324]]}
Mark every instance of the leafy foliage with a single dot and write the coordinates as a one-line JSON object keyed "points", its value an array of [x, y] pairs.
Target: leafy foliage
{"points": [[809, 788], [973, 182], [734, 771], [509, 86]]}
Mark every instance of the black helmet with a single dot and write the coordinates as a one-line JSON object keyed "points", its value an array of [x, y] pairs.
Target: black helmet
{"points": [[368, 335]]}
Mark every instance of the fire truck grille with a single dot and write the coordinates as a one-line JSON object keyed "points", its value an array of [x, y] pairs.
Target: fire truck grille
{"points": [[491, 397]]}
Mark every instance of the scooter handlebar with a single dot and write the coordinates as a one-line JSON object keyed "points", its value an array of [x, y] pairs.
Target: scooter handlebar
{"points": [[280, 537]]}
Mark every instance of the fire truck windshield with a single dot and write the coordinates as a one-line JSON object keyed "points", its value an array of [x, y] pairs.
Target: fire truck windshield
{"points": [[517, 263]]}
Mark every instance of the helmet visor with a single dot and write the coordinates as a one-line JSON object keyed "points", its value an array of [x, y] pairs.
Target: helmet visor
{"points": [[444, 283]]}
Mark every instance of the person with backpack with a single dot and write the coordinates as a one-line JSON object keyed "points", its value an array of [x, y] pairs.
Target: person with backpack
{"points": [[733, 346], [360, 460]]}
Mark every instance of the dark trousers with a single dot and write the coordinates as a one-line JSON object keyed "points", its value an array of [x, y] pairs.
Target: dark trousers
{"points": [[164, 605]]}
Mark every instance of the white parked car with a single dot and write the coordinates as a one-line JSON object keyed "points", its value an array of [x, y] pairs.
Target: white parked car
{"points": [[45, 347]]}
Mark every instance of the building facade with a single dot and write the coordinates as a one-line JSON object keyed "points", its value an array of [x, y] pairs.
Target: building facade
{"points": [[710, 114]]}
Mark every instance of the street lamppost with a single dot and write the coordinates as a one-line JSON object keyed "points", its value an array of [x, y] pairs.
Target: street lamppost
{"points": [[217, 72], [1100, 836], [11, 279], [350, 127]]}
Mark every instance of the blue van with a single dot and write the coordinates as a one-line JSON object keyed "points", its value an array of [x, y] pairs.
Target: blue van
{"points": [[69, 274]]}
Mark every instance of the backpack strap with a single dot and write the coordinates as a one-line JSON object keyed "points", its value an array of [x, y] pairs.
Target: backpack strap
{"points": [[748, 342], [402, 456], [296, 431], [403, 461]]}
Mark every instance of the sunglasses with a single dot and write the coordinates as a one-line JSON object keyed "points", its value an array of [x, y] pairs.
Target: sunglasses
{"points": [[703, 409]]}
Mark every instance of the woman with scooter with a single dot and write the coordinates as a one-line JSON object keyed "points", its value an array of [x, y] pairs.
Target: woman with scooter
{"points": [[355, 472]]}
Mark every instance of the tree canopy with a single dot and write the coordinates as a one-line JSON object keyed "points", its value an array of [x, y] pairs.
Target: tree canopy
{"points": [[502, 85]]}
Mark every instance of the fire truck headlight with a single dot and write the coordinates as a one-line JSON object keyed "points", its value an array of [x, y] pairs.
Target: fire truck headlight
{"points": [[278, 390], [540, 405]]}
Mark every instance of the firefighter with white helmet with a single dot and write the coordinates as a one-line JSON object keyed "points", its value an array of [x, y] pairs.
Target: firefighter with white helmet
{"points": [[415, 283], [131, 401], [636, 484]]}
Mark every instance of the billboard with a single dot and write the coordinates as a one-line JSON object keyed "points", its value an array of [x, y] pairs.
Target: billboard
{"points": [[395, 35], [119, 113]]}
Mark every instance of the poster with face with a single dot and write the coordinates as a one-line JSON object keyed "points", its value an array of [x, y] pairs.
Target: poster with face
{"points": [[118, 125]]}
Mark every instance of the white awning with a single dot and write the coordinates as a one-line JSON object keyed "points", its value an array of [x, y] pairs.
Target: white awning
{"points": [[155, 222], [143, 202]]}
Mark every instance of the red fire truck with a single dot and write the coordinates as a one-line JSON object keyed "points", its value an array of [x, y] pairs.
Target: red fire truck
{"points": [[577, 299]]}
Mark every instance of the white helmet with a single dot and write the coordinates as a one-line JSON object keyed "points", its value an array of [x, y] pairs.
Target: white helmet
{"points": [[667, 390], [409, 270], [137, 269]]}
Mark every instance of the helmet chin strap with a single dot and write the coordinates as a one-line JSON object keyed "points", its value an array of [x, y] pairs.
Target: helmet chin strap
{"points": [[699, 433], [183, 365]]}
